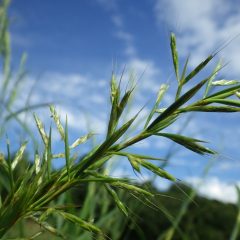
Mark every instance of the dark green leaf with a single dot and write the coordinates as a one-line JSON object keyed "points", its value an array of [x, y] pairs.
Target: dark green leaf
{"points": [[178, 103], [210, 109], [190, 143], [198, 68], [225, 93]]}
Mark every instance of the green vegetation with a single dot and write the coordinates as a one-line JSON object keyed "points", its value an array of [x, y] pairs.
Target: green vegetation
{"points": [[44, 196]]}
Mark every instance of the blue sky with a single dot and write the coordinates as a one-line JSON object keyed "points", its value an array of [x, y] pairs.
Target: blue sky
{"points": [[71, 47]]}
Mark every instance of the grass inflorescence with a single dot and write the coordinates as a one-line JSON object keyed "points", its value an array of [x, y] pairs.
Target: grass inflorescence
{"points": [[31, 195]]}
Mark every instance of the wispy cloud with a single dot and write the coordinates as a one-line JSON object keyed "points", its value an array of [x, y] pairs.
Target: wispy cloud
{"points": [[120, 29], [80, 97], [203, 27]]}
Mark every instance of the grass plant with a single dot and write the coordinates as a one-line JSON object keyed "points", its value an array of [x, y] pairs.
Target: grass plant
{"points": [[35, 194]]}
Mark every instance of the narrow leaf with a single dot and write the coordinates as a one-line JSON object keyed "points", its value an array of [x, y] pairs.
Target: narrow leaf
{"points": [[178, 103], [184, 71], [161, 93], [190, 143], [210, 81], [198, 68], [229, 102], [24, 109], [210, 109], [225, 93], [49, 153], [89, 159], [67, 153], [10, 170]]}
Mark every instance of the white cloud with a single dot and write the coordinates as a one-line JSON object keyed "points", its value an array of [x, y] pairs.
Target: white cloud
{"points": [[71, 88], [203, 27], [124, 36], [109, 5], [214, 188], [127, 38], [147, 72], [81, 98], [117, 20], [120, 30]]}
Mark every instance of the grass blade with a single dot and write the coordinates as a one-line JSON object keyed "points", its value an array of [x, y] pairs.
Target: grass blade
{"points": [[10, 171], [49, 153], [184, 71], [24, 109], [161, 93], [210, 81], [190, 143], [178, 103], [201, 66], [210, 109], [225, 93], [230, 102], [67, 152]]}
